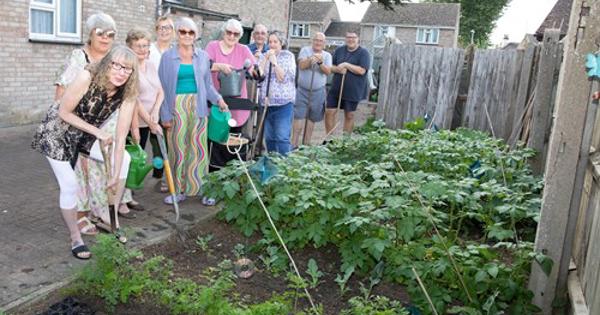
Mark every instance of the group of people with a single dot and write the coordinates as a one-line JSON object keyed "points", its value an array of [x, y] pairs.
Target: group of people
{"points": [[149, 89]]}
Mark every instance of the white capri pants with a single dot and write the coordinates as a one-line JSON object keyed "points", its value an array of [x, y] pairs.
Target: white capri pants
{"points": [[67, 181]]}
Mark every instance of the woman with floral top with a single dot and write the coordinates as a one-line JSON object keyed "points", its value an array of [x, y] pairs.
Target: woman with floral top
{"points": [[280, 67]]}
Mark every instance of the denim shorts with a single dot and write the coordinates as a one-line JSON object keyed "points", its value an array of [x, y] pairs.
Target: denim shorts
{"points": [[346, 105], [316, 110]]}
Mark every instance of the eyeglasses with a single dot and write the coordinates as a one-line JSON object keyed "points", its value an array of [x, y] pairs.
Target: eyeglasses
{"points": [[189, 33], [260, 33], [351, 37], [109, 33], [164, 28], [140, 47], [230, 33], [119, 67]]}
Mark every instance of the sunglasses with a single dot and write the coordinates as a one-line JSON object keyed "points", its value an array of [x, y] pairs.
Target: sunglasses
{"points": [[108, 33], [119, 67], [164, 28], [230, 33], [189, 33]]}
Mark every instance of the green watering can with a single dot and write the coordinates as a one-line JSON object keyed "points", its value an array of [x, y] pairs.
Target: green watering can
{"points": [[138, 169], [218, 125]]}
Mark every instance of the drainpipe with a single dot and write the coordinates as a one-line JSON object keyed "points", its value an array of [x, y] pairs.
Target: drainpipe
{"points": [[289, 23], [158, 9]]}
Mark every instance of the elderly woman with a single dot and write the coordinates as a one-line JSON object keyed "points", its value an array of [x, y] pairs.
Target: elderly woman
{"points": [[150, 91], [280, 67], [72, 126], [92, 196], [228, 55], [185, 77], [165, 33]]}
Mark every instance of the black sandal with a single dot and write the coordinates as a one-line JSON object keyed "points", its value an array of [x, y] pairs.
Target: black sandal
{"points": [[135, 206], [81, 249]]}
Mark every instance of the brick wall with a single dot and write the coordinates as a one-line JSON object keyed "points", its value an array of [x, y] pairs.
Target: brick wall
{"points": [[272, 13], [29, 69]]}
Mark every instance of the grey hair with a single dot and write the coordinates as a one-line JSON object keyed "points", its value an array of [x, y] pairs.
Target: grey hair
{"points": [[186, 22], [281, 37], [232, 23], [99, 20]]}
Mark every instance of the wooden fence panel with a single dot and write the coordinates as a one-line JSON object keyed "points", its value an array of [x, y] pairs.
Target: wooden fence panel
{"points": [[491, 95], [418, 81], [545, 91]]}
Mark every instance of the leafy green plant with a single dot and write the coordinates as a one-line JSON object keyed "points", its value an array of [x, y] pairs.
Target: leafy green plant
{"points": [[314, 273], [202, 242], [239, 251], [377, 305], [342, 280], [384, 195]]}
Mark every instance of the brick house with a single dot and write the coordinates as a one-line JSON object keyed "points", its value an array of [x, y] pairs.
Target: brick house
{"points": [[309, 17], [431, 24], [38, 35], [336, 32]]}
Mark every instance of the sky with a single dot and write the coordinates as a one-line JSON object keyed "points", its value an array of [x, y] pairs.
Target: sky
{"points": [[520, 17]]}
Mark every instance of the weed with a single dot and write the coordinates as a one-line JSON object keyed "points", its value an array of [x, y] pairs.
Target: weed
{"points": [[314, 273]]}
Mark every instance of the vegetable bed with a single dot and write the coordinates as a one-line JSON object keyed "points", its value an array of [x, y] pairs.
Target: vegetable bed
{"points": [[455, 208]]}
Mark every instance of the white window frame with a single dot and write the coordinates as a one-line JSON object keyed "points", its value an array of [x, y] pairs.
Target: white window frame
{"points": [[434, 36], [305, 30], [57, 35], [385, 30]]}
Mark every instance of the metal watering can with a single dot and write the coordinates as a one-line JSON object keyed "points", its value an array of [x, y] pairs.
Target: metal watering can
{"points": [[138, 169]]}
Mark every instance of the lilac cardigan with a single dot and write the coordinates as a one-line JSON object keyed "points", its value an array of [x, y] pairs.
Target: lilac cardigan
{"points": [[167, 72]]}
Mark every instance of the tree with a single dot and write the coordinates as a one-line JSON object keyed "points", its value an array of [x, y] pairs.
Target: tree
{"points": [[479, 16]]}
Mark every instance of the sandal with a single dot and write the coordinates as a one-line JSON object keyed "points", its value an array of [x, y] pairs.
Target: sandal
{"points": [[134, 205], [127, 215], [81, 252], [86, 227]]}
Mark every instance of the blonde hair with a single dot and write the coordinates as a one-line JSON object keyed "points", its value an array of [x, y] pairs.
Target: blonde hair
{"points": [[164, 18], [101, 71], [136, 34]]}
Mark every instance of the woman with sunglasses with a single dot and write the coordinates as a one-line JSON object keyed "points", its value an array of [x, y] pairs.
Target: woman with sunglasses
{"points": [[229, 55], [184, 73], [92, 196], [72, 128]]}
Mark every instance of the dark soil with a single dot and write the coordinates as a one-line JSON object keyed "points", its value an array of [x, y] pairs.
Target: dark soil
{"points": [[189, 262]]}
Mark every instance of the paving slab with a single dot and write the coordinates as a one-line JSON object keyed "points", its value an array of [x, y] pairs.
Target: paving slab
{"points": [[35, 255]]}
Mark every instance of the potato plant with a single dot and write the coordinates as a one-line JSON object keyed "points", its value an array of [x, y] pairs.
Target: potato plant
{"points": [[379, 197]]}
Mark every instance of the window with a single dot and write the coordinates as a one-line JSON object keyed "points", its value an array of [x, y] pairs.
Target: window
{"points": [[382, 32], [428, 36], [300, 30], [55, 20]]}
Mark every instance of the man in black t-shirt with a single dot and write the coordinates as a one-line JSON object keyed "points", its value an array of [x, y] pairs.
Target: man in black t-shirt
{"points": [[354, 61]]}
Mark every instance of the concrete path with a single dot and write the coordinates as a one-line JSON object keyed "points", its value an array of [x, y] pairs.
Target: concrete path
{"points": [[35, 256]]}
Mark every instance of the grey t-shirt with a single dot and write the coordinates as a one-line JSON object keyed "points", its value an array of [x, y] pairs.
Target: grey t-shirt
{"points": [[304, 76]]}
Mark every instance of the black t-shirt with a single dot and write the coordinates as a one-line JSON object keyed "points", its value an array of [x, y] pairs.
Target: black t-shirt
{"points": [[355, 86]]}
